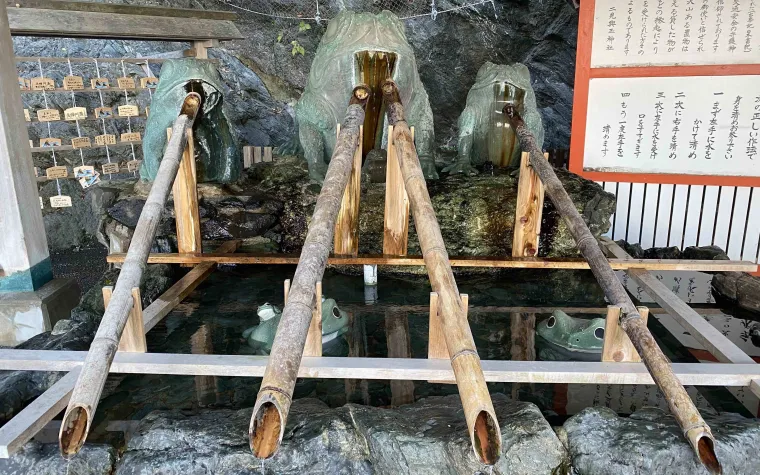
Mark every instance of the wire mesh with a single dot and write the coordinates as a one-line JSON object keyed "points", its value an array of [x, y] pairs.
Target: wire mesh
{"points": [[313, 10]]}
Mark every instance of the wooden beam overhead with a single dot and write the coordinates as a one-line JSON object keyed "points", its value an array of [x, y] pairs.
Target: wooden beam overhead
{"points": [[83, 24], [97, 7], [504, 262], [416, 369]]}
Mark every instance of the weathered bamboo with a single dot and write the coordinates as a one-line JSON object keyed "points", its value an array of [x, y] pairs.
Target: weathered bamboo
{"points": [[476, 401], [695, 429], [89, 386], [273, 401]]}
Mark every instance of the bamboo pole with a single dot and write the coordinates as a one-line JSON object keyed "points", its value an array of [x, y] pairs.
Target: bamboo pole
{"points": [[484, 430], [275, 396], [89, 386], [695, 429]]}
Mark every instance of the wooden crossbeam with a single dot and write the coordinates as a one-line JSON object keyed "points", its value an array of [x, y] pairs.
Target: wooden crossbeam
{"points": [[89, 24], [416, 369], [503, 262]]}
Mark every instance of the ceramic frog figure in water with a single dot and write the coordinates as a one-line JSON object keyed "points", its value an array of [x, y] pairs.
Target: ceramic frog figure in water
{"points": [[573, 334], [261, 336]]}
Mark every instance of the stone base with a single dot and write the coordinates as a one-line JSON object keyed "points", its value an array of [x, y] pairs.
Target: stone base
{"points": [[26, 314]]}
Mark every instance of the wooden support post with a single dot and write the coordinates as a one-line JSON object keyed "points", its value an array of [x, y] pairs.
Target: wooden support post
{"points": [[202, 46], [436, 340], [530, 204], [347, 226], [257, 155], [617, 346], [396, 229], [186, 210], [133, 337], [248, 156], [399, 346], [267, 154], [314, 338]]}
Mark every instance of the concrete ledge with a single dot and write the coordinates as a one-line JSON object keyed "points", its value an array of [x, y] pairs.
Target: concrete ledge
{"points": [[26, 314]]}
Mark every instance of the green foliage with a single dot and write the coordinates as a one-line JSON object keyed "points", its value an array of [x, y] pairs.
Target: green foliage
{"points": [[279, 37], [303, 26], [297, 48]]}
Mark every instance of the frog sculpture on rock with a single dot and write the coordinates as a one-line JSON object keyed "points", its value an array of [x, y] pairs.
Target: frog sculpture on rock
{"points": [[484, 134], [581, 338], [361, 48], [261, 336]]}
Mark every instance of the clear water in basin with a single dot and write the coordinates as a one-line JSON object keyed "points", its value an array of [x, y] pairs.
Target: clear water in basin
{"points": [[212, 320]]}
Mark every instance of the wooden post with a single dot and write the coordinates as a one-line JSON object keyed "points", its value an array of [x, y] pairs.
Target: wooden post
{"points": [[396, 229], [270, 412], [186, 210], [202, 46], [617, 346], [133, 337], [436, 339], [248, 156], [530, 204], [399, 346], [347, 226], [267, 154], [84, 400], [357, 348], [257, 155], [687, 415]]}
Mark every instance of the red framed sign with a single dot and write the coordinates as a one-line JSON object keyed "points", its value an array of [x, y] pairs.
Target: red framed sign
{"points": [[668, 91]]}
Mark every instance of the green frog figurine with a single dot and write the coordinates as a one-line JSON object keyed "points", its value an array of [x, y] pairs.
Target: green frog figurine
{"points": [[576, 335], [261, 336]]}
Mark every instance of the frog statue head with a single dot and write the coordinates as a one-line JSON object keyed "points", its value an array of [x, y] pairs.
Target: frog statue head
{"points": [[361, 48], [575, 335], [260, 337], [484, 133], [217, 151]]}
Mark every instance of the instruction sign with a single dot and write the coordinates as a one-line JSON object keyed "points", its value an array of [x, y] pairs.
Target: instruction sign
{"points": [[668, 92]]}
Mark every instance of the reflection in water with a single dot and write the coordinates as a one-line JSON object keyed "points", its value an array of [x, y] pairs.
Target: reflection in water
{"points": [[213, 318], [205, 386], [399, 346]]}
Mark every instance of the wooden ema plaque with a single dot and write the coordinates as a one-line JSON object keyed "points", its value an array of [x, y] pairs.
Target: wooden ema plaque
{"points": [[60, 201], [103, 112], [81, 142], [27, 117], [125, 83], [667, 95], [43, 84], [75, 113], [73, 83], [128, 111], [56, 172], [133, 165], [149, 82], [24, 84], [130, 137], [51, 142], [100, 83], [105, 139], [110, 168], [48, 115]]}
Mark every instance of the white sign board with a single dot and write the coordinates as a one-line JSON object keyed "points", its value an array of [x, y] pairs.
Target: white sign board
{"points": [[675, 32], [704, 125]]}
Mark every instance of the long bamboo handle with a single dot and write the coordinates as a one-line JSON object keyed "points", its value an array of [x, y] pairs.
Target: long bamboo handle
{"points": [[485, 433], [89, 386], [275, 396], [695, 428]]}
